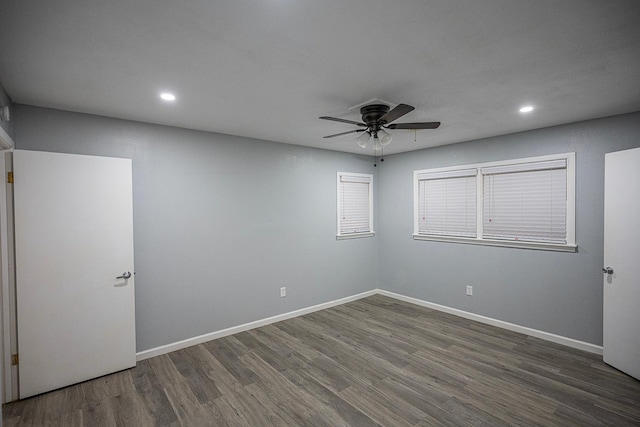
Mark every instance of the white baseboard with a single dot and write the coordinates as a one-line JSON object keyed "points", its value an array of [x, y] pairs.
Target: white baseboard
{"points": [[569, 342], [157, 351]]}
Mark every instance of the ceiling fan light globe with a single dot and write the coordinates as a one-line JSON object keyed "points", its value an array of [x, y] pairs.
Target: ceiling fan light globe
{"points": [[385, 137], [363, 140], [377, 145]]}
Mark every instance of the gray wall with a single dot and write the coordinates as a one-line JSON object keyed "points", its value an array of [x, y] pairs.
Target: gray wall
{"points": [[554, 292], [6, 100], [220, 222]]}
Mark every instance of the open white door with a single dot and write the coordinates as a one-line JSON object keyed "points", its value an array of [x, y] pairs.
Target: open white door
{"points": [[621, 346], [73, 236]]}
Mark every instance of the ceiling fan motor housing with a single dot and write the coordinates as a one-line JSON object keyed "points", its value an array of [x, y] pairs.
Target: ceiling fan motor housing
{"points": [[371, 115]]}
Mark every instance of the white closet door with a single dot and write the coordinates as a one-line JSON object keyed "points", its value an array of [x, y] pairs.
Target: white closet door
{"points": [[74, 236], [621, 347]]}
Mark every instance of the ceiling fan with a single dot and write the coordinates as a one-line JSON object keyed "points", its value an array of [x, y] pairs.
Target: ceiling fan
{"points": [[376, 118]]}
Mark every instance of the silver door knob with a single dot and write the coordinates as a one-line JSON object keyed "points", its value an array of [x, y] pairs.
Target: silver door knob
{"points": [[607, 270], [125, 275]]}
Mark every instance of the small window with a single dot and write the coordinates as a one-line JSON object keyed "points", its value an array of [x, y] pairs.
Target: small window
{"points": [[521, 203], [355, 205]]}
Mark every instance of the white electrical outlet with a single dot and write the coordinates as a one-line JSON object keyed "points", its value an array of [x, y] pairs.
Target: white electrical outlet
{"points": [[469, 290], [283, 291]]}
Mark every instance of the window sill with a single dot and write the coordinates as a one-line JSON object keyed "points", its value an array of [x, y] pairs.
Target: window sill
{"points": [[354, 236], [501, 243]]}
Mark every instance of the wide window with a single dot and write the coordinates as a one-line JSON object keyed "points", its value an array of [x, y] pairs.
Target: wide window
{"points": [[355, 205], [522, 203]]}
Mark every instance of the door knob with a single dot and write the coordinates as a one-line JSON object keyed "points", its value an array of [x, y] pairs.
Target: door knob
{"points": [[125, 275], [607, 270]]}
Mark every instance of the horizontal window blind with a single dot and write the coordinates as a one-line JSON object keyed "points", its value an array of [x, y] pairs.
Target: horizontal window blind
{"points": [[526, 167], [447, 203], [447, 174], [526, 202], [354, 210]]}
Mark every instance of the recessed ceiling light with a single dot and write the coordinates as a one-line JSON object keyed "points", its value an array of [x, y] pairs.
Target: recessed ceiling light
{"points": [[526, 109], [168, 96]]}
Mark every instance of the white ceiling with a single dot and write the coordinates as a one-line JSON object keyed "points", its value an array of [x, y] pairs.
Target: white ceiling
{"points": [[267, 69]]}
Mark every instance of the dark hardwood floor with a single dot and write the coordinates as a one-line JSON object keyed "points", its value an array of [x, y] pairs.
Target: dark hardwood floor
{"points": [[376, 361]]}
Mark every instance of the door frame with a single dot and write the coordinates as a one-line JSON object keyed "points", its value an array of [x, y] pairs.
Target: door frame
{"points": [[8, 331]]}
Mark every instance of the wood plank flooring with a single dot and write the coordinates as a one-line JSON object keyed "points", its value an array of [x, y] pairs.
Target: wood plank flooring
{"points": [[375, 361]]}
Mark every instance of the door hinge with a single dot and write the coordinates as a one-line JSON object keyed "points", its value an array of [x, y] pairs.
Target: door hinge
{"points": [[14, 359], [10, 177]]}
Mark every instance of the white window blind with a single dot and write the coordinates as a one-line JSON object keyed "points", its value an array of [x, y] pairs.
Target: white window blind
{"points": [[354, 204], [526, 202], [447, 203]]}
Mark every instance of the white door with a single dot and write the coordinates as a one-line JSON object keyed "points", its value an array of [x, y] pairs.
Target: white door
{"points": [[622, 261], [73, 236]]}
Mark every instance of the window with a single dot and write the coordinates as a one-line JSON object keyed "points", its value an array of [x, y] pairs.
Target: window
{"points": [[521, 203], [447, 203], [355, 205], [526, 202]]}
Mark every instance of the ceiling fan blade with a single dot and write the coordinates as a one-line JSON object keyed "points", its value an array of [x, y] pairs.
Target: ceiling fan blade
{"points": [[335, 119], [344, 133], [396, 113], [424, 125]]}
